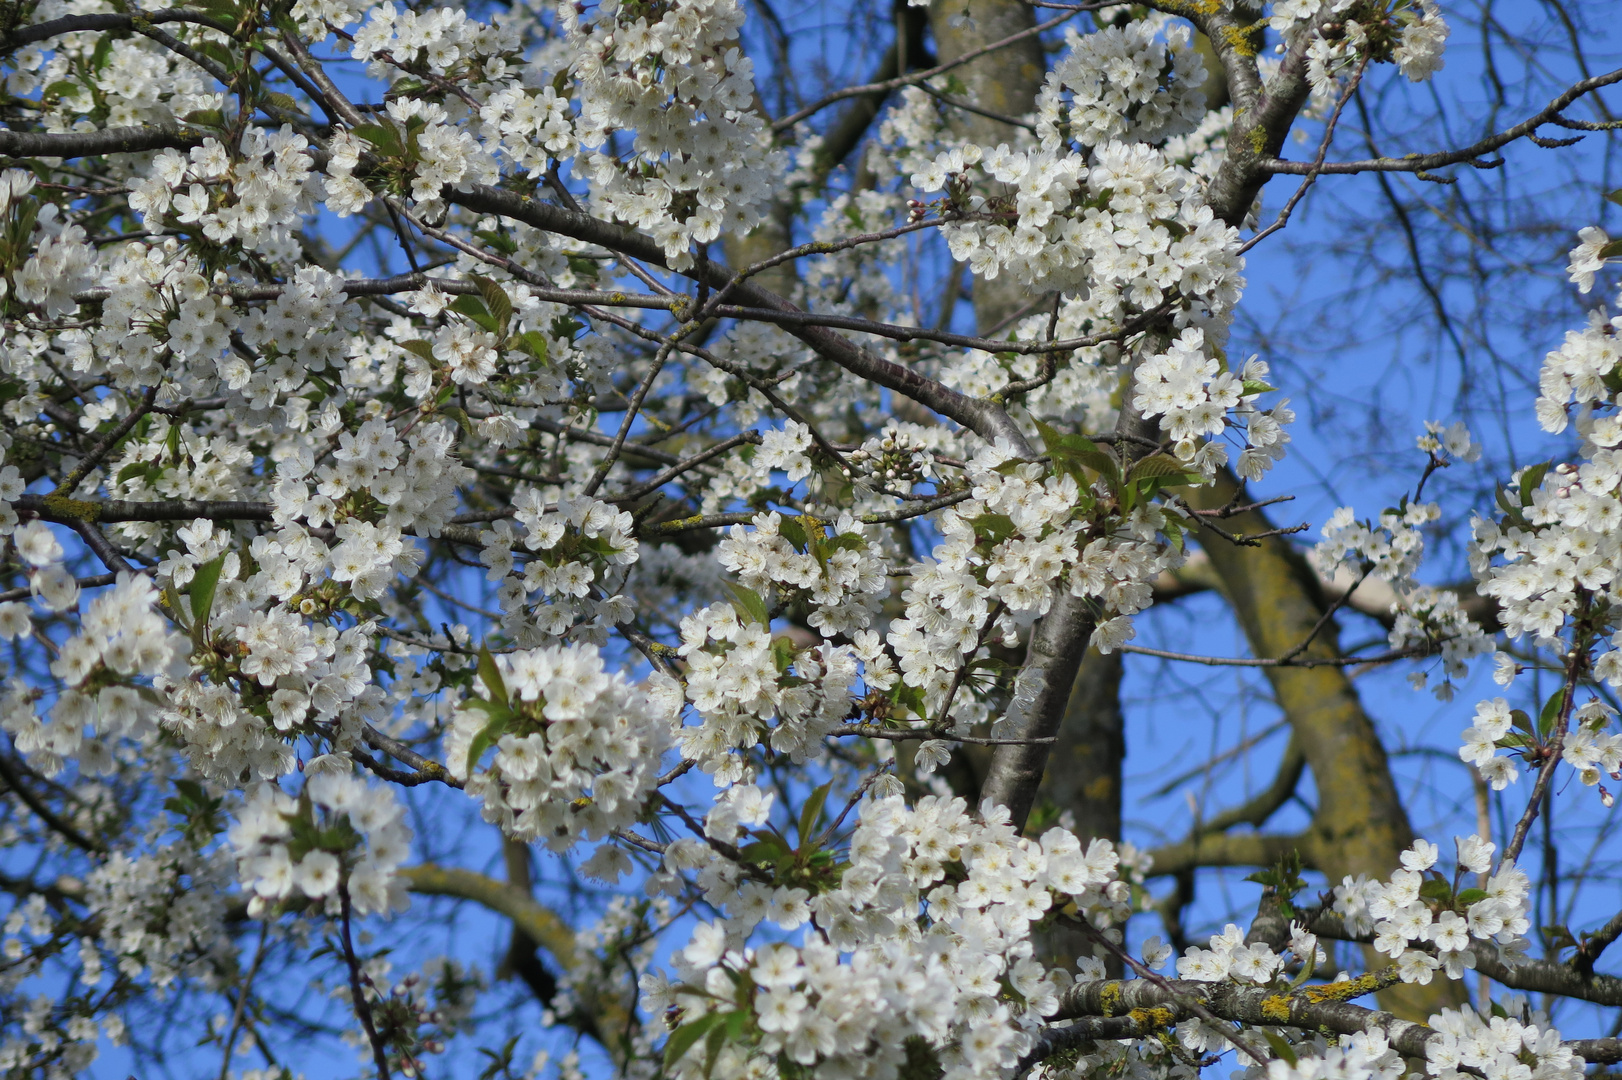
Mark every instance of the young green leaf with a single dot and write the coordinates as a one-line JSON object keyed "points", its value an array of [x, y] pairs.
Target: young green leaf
{"points": [[473, 308], [811, 811], [490, 675], [203, 585], [1551, 711], [1156, 466], [1532, 479], [421, 348], [1280, 1047], [749, 603], [793, 531], [683, 1038], [487, 737], [496, 300]]}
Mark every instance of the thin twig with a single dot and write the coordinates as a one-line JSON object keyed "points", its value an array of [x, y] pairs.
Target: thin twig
{"points": [[1317, 163], [363, 1008]]}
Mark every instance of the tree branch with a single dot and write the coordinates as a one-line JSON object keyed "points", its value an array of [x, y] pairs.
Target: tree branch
{"points": [[77, 144], [601, 1015], [986, 419], [1536, 976], [1471, 154], [1229, 849]]}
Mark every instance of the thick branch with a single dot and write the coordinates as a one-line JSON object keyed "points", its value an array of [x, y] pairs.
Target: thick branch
{"points": [[1228, 849], [100, 23], [1156, 1005], [600, 1015], [1532, 975], [75, 144], [1152, 1006], [1057, 646]]}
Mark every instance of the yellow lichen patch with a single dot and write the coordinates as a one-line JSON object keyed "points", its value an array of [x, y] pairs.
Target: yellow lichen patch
{"points": [[1241, 39], [1109, 998], [1276, 1009], [1148, 1019], [1346, 991], [73, 509]]}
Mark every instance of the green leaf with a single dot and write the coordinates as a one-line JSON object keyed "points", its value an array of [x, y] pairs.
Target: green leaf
{"points": [[792, 531], [422, 348], [496, 300], [498, 241], [682, 1039], [749, 603], [460, 415], [203, 585], [1467, 897], [712, 1046], [1155, 466], [1614, 196], [1510, 509], [1280, 1047], [1068, 451], [1551, 712], [487, 737], [1611, 250], [768, 850], [384, 139], [1254, 386], [217, 52], [132, 470], [474, 309], [1522, 719], [1436, 889], [1531, 480], [908, 697], [1052, 438], [1173, 531], [846, 542], [534, 343], [211, 118], [993, 528], [811, 811], [490, 675], [1558, 936]]}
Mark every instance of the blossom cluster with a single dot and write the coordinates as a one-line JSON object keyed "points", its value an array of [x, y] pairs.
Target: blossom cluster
{"points": [[1425, 920], [122, 640], [572, 549], [839, 575], [338, 837], [255, 197], [681, 84], [848, 1000], [577, 749], [745, 687], [1390, 550]]}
